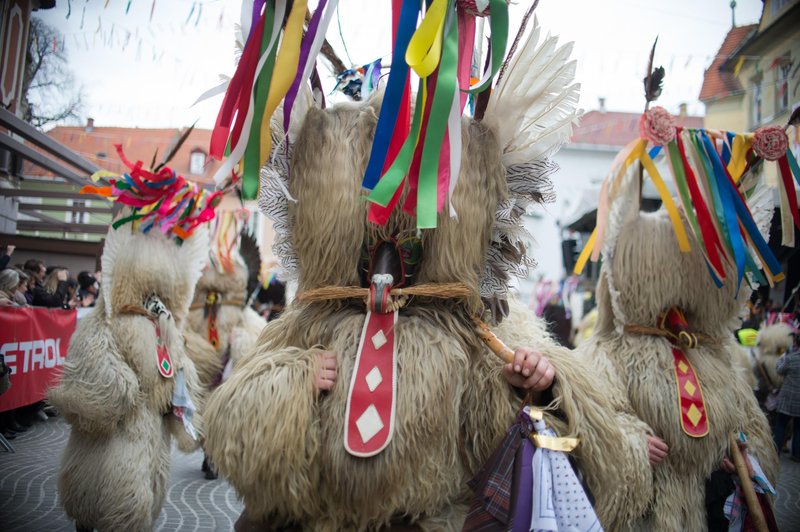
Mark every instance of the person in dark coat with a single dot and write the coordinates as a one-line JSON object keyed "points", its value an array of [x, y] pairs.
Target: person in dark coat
{"points": [[789, 400]]}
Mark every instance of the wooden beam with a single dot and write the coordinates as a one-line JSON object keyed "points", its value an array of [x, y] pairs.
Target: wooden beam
{"points": [[43, 217], [25, 207], [94, 229], [42, 160], [47, 143], [33, 193], [53, 245]]}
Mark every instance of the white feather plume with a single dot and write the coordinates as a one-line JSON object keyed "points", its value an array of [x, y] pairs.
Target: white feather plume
{"points": [[534, 105]]}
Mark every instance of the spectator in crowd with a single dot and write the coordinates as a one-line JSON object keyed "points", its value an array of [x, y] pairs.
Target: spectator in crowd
{"points": [[9, 281], [87, 294], [52, 291], [6, 257], [72, 293], [789, 400], [22, 287]]}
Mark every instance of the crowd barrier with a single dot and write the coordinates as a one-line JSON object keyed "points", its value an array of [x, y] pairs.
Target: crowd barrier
{"points": [[33, 342]]}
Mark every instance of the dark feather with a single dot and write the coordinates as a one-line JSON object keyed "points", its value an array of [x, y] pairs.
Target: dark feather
{"points": [[155, 156], [794, 120], [251, 256], [654, 80], [176, 147]]}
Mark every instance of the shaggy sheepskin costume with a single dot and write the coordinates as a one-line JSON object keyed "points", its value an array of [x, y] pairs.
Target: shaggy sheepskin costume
{"points": [[773, 341], [236, 325], [281, 445], [644, 274], [114, 469]]}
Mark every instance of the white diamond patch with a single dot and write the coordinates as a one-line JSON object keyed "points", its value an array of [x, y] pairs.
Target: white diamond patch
{"points": [[379, 339], [369, 424], [373, 378]]}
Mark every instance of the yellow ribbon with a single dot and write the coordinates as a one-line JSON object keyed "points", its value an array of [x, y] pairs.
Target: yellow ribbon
{"points": [[102, 174], [425, 47], [672, 210], [585, 253], [737, 164], [554, 443], [594, 245], [284, 72]]}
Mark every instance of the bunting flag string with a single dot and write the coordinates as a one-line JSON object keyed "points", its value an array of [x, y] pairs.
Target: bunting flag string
{"points": [[708, 169]]}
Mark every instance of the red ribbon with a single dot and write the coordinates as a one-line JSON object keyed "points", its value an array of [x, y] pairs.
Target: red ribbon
{"points": [[788, 185], [377, 214]]}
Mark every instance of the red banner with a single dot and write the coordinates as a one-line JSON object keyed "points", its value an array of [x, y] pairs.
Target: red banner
{"points": [[34, 343]]}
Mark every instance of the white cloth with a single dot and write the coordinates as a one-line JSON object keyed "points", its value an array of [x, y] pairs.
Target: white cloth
{"points": [[559, 502], [182, 405]]}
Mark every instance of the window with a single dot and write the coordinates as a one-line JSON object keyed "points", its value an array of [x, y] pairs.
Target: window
{"points": [[757, 102], [76, 215], [782, 84], [197, 162]]}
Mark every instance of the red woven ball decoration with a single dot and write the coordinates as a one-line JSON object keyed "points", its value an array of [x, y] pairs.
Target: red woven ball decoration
{"points": [[657, 126], [770, 142]]}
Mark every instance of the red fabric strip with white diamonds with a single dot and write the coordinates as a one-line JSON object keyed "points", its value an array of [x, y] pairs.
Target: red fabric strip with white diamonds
{"points": [[694, 420], [371, 402]]}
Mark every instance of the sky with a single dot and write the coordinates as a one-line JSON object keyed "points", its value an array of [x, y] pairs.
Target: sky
{"points": [[146, 67]]}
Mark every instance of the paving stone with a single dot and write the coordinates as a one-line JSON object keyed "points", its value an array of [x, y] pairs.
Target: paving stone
{"points": [[28, 500]]}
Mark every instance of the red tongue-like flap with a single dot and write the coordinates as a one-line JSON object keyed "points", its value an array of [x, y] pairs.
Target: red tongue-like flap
{"points": [[371, 402]]}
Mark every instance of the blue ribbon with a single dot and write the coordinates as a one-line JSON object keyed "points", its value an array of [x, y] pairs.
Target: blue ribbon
{"points": [[729, 209], [726, 147], [793, 165], [390, 107]]}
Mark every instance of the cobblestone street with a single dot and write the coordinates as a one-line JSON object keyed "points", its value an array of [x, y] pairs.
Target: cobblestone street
{"points": [[29, 503]]}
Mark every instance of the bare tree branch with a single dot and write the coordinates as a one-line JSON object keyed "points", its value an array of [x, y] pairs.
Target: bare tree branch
{"points": [[48, 88]]}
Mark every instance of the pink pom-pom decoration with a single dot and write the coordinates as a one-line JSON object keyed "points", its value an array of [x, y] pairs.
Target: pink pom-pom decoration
{"points": [[657, 126], [770, 142]]}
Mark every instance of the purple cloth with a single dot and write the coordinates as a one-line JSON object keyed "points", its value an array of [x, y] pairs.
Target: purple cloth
{"points": [[523, 487]]}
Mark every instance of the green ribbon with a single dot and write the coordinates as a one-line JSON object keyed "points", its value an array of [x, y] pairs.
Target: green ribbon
{"points": [[683, 189], [252, 155], [384, 191], [437, 125], [498, 22]]}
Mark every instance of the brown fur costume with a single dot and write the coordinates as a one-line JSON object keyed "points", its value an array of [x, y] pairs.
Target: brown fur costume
{"points": [[238, 325], [773, 341], [644, 274], [281, 446], [114, 469]]}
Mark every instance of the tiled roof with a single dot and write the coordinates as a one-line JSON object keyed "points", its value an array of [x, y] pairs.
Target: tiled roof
{"points": [[718, 83], [97, 146], [603, 128]]}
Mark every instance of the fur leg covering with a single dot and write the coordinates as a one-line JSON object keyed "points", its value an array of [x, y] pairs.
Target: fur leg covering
{"points": [[98, 387]]}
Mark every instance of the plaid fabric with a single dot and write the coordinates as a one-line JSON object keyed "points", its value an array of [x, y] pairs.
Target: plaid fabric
{"points": [[491, 506]]}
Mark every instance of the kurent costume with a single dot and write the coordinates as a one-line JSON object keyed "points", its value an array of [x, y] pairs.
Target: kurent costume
{"points": [[128, 387], [419, 403], [669, 295], [773, 341], [222, 326]]}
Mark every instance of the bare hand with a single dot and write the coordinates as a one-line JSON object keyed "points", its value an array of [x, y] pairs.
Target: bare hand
{"points": [[326, 376], [62, 275], [10, 249], [529, 371], [656, 449], [728, 465], [87, 301]]}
